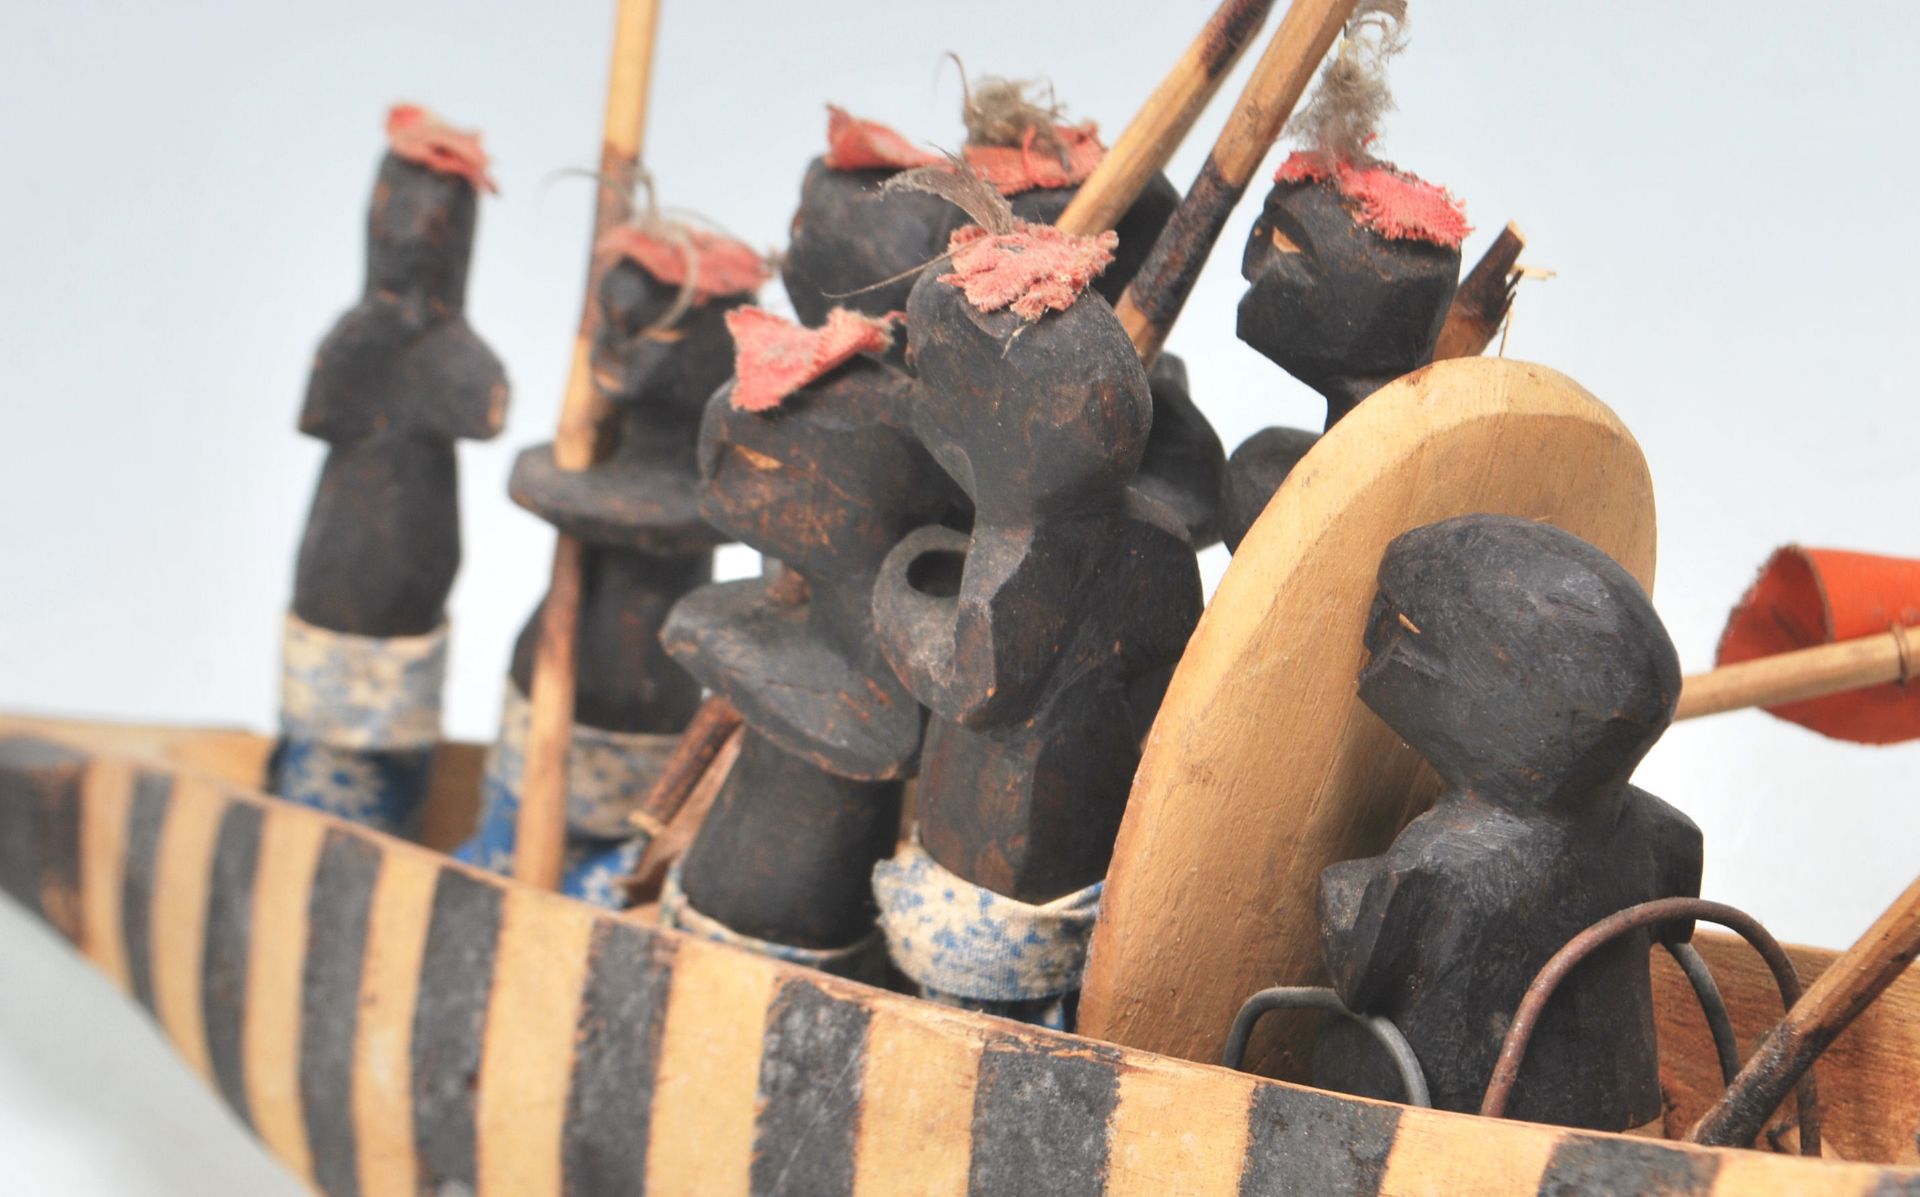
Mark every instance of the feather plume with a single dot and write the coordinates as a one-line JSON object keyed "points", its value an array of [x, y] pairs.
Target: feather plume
{"points": [[958, 184], [1344, 112]]}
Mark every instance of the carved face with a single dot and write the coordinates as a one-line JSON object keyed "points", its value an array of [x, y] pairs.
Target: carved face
{"points": [[1028, 418], [419, 231], [1518, 659], [1332, 300], [848, 235], [676, 367], [830, 480]]}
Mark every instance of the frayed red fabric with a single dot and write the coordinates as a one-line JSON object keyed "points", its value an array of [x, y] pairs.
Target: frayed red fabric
{"points": [[856, 144], [723, 266], [419, 136], [773, 357], [1013, 169], [1806, 597], [1393, 203], [1034, 269]]}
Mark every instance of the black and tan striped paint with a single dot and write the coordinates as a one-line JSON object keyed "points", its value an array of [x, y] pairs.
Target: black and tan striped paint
{"points": [[390, 1022]]}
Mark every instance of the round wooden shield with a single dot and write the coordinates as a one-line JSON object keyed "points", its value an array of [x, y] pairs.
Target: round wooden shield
{"points": [[1264, 767]]}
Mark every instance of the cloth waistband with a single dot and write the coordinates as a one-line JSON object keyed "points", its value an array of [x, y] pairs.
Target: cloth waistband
{"points": [[361, 692], [959, 938], [678, 915], [608, 772]]}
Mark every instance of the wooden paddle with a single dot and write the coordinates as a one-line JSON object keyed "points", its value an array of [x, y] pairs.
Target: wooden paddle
{"points": [[540, 833], [1158, 292], [1885, 657]]}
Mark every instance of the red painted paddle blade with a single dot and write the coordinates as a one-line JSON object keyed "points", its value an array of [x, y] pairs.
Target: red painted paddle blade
{"points": [[1806, 597]]}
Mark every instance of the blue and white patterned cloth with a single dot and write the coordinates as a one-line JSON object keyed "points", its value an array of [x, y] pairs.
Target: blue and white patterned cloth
{"points": [[361, 691], [383, 790], [359, 720], [858, 961], [967, 946], [608, 773]]}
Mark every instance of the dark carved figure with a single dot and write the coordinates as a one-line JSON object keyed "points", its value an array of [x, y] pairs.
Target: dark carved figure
{"points": [[1353, 263], [1042, 640], [819, 471], [848, 234], [397, 381], [661, 350], [1351, 271], [1531, 672]]}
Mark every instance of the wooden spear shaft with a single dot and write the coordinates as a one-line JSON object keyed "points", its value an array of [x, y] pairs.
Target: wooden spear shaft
{"points": [[1876, 660], [1830, 1005], [1163, 121], [1158, 292], [540, 832]]}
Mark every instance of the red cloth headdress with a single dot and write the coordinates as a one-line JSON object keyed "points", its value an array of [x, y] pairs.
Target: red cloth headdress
{"points": [[417, 135], [1032, 269], [773, 357], [721, 265], [1391, 202], [855, 144]]}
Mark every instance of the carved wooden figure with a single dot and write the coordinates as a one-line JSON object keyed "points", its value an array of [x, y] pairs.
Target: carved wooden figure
{"points": [[397, 381], [849, 234], [1352, 264], [1529, 669], [808, 457], [1351, 270], [662, 349], [1043, 639]]}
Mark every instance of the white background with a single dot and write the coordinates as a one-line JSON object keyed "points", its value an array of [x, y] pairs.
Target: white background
{"points": [[1727, 193]]}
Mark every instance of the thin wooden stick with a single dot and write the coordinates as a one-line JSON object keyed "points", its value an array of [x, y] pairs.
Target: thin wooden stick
{"points": [[1163, 121], [1889, 656], [540, 831], [692, 756], [1484, 298], [1831, 1004], [1160, 290]]}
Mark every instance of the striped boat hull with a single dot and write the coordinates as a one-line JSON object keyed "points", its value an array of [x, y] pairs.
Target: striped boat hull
{"points": [[388, 1021]]}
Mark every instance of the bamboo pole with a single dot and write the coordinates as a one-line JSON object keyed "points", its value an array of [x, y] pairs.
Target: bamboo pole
{"points": [[1160, 289], [1483, 300], [1163, 121], [1889, 656], [1831, 1004], [540, 831]]}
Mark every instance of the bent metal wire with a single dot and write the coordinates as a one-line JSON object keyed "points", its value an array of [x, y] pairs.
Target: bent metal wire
{"points": [[1648, 914], [1313, 997]]}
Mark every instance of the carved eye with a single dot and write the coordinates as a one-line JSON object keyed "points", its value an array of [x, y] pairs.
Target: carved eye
{"points": [[1282, 243]]}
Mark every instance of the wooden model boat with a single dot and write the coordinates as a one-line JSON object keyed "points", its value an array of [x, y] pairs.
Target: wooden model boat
{"points": [[388, 1021]]}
